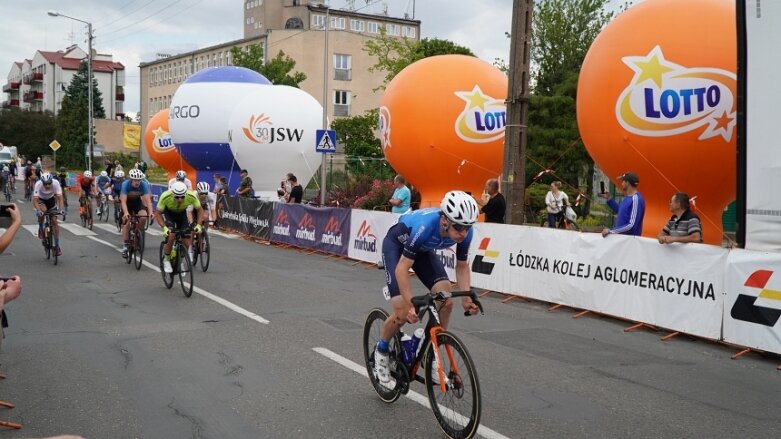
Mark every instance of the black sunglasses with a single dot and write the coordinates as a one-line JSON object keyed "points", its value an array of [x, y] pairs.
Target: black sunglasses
{"points": [[179, 197], [460, 227]]}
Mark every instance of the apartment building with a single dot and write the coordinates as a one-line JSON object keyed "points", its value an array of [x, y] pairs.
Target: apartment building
{"points": [[295, 27], [39, 84]]}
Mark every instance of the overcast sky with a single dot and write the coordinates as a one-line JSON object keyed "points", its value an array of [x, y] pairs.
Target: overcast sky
{"points": [[134, 31]]}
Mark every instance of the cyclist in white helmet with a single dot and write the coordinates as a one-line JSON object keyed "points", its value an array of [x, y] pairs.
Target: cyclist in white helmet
{"points": [[181, 176], [411, 244], [47, 196], [172, 211], [136, 199], [208, 200]]}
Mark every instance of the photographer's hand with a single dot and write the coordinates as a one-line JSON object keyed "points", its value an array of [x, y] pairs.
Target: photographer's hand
{"points": [[16, 216]]}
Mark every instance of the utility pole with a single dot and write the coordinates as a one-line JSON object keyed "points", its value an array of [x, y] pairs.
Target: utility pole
{"points": [[514, 172]]}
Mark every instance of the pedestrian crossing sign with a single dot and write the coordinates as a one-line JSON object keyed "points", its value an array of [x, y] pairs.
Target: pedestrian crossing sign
{"points": [[325, 141]]}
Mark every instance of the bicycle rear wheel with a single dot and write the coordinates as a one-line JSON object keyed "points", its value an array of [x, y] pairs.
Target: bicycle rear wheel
{"points": [[168, 278], [185, 271], [458, 408], [205, 251], [138, 249], [104, 211], [371, 335]]}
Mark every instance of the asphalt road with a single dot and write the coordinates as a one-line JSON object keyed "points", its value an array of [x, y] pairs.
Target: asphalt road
{"points": [[99, 349]]}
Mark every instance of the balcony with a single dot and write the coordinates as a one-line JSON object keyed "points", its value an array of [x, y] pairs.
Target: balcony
{"points": [[120, 96], [33, 96], [13, 103], [32, 77], [120, 116], [37, 77], [13, 85]]}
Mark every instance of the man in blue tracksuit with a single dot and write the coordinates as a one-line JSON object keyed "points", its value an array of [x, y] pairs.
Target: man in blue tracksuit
{"points": [[631, 210]]}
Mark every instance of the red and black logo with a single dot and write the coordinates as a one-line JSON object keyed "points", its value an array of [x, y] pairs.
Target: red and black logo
{"points": [[306, 222], [480, 264], [745, 308], [332, 226], [282, 218]]}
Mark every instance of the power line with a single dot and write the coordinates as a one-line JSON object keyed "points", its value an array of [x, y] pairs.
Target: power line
{"points": [[135, 31], [144, 19], [126, 15]]}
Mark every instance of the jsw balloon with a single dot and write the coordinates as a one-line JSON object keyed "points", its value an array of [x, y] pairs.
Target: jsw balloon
{"points": [[161, 147], [272, 132], [199, 114], [442, 123]]}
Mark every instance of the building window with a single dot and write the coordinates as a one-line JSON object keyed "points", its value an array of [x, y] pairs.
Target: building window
{"points": [[356, 25], [341, 103], [337, 23], [342, 65], [318, 21], [393, 29], [373, 27], [409, 32]]}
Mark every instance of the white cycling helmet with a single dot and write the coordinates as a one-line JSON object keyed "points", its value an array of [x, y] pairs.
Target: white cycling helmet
{"points": [[202, 187], [119, 174], [46, 178], [104, 174], [5, 168], [136, 174], [178, 188], [460, 208], [181, 175], [87, 174]]}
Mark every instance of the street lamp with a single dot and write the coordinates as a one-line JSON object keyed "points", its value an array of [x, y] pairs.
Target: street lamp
{"points": [[89, 81]]}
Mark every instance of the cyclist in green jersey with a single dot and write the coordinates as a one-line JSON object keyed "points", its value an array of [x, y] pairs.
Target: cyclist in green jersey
{"points": [[172, 211]]}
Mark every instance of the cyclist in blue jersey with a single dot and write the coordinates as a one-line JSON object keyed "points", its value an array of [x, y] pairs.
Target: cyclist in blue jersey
{"points": [[116, 189], [103, 182], [411, 244], [136, 199]]}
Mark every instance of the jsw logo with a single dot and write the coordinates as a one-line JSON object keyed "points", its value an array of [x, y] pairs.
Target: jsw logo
{"points": [[665, 99], [260, 129]]}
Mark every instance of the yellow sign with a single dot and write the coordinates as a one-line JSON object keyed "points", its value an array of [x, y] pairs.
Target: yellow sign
{"points": [[55, 145], [132, 136]]}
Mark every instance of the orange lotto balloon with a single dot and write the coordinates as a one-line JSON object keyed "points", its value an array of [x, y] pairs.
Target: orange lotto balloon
{"points": [[442, 122], [657, 96], [161, 147]]}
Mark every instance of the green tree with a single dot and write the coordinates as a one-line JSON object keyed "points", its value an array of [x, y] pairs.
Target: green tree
{"points": [[562, 33], [30, 131], [73, 118], [277, 70], [361, 147], [394, 54]]}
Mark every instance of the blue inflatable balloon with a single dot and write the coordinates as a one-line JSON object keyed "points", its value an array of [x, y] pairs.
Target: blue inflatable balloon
{"points": [[199, 116]]}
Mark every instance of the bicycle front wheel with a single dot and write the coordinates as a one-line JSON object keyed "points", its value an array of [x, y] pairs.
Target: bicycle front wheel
{"points": [[168, 278], [372, 329], [457, 409], [138, 249], [205, 251], [185, 271]]}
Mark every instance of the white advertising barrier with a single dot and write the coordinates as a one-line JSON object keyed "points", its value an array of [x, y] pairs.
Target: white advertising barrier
{"points": [[367, 230], [752, 304], [678, 287]]}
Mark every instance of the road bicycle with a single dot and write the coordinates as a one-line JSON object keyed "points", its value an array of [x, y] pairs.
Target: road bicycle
{"points": [[49, 248], [102, 207], [7, 190], [137, 238], [85, 212], [201, 248], [448, 370], [118, 216], [28, 190], [180, 262]]}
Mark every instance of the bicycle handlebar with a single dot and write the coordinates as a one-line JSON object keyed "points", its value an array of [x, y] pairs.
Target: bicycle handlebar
{"points": [[426, 300]]}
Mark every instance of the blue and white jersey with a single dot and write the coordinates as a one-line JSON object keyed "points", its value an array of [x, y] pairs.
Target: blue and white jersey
{"points": [[132, 192], [419, 232]]}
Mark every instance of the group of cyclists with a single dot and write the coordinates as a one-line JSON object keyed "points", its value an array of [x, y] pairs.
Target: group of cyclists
{"points": [[179, 207]]}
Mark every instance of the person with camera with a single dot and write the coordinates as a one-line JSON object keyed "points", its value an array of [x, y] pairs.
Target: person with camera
{"points": [[631, 210], [556, 201], [47, 196], [492, 202]]}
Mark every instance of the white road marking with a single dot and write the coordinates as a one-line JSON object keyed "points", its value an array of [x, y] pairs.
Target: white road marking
{"points": [[482, 430], [31, 228], [201, 291], [108, 227], [76, 229], [223, 234], [154, 232]]}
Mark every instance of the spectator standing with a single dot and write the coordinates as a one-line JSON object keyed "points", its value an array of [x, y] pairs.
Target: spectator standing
{"points": [[684, 225], [110, 168], [245, 187], [631, 210], [555, 202], [400, 201], [296, 191], [492, 203]]}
